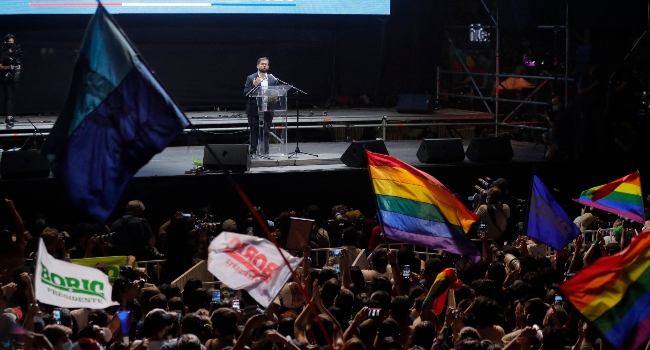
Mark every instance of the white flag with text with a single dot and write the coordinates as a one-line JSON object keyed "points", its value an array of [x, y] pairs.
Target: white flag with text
{"points": [[69, 285], [250, 263]]}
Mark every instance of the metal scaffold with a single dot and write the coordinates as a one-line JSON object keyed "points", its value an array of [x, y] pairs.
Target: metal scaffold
{"points": [[493, 103]]}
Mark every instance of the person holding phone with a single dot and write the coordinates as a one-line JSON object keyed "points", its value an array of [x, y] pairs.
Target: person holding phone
{"points": [[357, 256]]}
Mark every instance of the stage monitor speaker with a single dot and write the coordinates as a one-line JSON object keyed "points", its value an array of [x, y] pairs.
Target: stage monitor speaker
{"points": [[232, 157], [355, 155], [23, 165], [414, 103], [491, 149], [434, 151]]}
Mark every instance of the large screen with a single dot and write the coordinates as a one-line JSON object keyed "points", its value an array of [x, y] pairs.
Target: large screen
{"points": [[317, 7]]}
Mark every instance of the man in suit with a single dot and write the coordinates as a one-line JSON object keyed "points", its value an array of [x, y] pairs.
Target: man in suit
{"points": [[256, 81]]}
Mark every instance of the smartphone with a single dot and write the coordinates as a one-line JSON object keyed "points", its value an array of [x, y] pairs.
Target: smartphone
{"points": [[179, 315], [406, 271], [373, 312], [235, 304], [368, 284], [56, 315], [337, 267], [558, 300], [216, 296], [337, 252], [482, 229]]}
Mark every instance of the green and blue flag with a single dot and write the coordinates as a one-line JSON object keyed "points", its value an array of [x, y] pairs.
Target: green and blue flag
{"points": [[116, 117]]}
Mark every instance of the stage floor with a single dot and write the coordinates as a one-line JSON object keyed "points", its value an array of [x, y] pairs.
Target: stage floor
{"points": [[176, 161], [231, 120]]}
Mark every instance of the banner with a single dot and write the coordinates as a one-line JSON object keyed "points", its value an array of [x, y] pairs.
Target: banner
{"points": [[65, 284], [112, 263], [250, 263]]}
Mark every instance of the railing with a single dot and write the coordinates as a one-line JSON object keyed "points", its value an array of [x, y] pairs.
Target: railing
{"points": [[147, 263], [198, 271]]}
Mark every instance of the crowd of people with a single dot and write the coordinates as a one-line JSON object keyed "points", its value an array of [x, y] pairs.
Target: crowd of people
{"points": [[365, 296]]}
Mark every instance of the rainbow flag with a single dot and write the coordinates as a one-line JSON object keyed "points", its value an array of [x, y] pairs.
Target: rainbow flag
{"points": [[621, 197], [439, 289], [614, 294], [416, 208]]}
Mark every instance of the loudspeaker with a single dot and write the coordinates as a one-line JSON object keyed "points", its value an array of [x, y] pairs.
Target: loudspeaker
{"points": [[414, 103], [231, 157], [355, 155], [492, 149], [23, 165], [433, 151]]}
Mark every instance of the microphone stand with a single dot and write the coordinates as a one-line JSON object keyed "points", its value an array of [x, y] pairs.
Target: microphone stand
{"points": [[298, 92], [34, 136]]}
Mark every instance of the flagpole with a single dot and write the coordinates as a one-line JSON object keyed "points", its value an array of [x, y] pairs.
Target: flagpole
{"points": [[530, 196]]}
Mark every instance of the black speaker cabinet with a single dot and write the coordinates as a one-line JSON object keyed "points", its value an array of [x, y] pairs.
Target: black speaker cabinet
{"points": [[415, 103], [492, 149], [432, 151], [231, 157], [355, 155], [23, 165]]}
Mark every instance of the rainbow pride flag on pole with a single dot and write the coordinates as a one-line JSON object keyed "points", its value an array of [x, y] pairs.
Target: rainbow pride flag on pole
{"points": [[614, 294], [621, 197], [416, 208]]}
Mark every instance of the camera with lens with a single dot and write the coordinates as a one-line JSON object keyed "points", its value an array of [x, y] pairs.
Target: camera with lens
{"points": [[511, 262], [497, 252], [105, 238]]}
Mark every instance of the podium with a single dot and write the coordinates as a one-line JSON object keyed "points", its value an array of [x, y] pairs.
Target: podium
{"points": [[272, 105]]}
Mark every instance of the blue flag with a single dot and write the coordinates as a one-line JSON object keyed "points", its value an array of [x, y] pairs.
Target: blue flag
{"points": [[547, 221], [115, 119]]}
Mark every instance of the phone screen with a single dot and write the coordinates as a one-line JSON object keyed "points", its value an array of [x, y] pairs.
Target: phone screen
{"points": [[235, 304], [558, 300], [373, 312], [180, 316], [337, 252], [338, 268], [406, 271], [56, 315], [482, 229], [216, 296]]}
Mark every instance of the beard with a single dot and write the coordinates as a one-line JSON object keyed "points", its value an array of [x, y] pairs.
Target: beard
{"points": [[264, 70]]}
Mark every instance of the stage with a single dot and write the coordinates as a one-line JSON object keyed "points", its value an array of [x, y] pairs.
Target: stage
{"points": [[337, 122], [167, 184], [177, 161]]}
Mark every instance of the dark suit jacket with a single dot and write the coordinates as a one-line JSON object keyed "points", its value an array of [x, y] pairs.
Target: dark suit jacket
{"points": [[251, 106]]}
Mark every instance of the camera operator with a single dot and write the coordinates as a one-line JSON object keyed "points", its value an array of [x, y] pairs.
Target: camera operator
{"points": [[10, 70], [493, 213], [560, 129]]}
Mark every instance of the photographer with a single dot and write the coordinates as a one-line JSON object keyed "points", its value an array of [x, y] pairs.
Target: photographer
{"points": [[10, 70], [493, 213]]}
